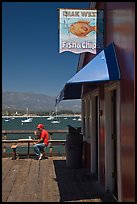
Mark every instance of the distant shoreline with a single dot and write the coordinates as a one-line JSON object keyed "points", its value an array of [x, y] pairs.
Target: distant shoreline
{"points": [[37, 116]]}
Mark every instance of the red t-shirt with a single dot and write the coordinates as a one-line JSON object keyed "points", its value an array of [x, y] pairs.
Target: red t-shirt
{"points": [[45, 136]]}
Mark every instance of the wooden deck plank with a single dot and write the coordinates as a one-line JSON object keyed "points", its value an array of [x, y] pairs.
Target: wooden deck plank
{"points": [[4, 162], [5, 196], [6, 166], [8, 181], [52, 184], [30, 190], [43, 180], [16, 193], [49, 180]]}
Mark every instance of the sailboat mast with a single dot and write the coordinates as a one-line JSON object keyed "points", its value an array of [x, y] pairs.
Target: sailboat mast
{"points": [[27, 111], [56, 111]]}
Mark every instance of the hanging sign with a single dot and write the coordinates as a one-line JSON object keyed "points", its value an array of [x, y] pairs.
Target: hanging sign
{"points": [[77, 30]]}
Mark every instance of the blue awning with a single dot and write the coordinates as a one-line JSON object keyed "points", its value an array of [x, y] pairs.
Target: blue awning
{"points": [[104, 67]]}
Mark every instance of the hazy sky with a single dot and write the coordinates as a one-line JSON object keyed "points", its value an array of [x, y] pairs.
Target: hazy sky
{"points": [[31, 61]]}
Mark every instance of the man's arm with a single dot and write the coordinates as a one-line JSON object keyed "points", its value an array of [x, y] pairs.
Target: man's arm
{"points": [[39, 141]]}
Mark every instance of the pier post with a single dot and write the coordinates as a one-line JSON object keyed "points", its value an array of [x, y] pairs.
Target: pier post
{"points": [[14, 151]]}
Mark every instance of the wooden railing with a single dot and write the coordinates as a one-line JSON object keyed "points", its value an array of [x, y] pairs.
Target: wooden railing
{"points": [[19, 142], [5, 132]]}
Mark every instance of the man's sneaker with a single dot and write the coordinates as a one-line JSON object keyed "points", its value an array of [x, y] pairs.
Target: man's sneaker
{"points": [[40, 157]]}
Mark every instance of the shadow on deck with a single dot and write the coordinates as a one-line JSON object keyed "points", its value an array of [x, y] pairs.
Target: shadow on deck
{"points": [[49, 180]]}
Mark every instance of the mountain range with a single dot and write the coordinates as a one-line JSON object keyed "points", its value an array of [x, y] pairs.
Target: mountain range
{"points": [[14, 101]]}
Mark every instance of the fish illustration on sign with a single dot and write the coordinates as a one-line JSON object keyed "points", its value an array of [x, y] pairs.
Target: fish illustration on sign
{"points": [[81, 28]]}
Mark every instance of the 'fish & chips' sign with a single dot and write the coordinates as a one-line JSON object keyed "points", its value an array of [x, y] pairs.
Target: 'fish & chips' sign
{"points": [[77, 30]]}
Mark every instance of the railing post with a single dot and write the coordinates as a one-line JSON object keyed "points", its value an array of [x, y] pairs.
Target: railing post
{"points": [[28, 148], [50, 148], [5, 136]]}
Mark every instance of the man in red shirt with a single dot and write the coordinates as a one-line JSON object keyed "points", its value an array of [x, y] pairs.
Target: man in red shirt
{"points": [[42, 141]]}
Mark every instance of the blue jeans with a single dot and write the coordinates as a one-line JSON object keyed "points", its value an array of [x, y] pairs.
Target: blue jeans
{"points": [[38, 148]]}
